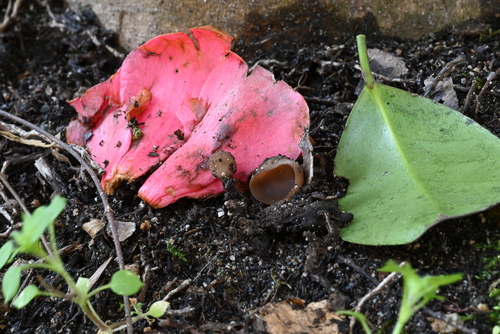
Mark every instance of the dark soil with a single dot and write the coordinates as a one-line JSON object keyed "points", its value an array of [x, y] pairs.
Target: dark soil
{"points": [[239, 253]]}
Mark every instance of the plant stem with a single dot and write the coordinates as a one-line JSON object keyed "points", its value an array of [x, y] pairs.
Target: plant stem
{"points": [[80, 298], [363, 60], [92, 314], [107, 207]]}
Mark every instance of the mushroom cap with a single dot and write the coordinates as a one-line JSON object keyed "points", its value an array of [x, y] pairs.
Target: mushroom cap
{"points": [[222, 164], [276, 179]]}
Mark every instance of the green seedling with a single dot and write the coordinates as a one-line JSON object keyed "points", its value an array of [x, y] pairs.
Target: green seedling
{"points": [[27, 241], [417, 292], [176, 252], [491, 267], [411, 163], [489, 34]]}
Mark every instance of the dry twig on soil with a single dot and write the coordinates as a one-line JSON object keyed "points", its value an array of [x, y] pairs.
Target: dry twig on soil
{"points": [[10, 14], [388, 280], [483, 90], [429, 90]]}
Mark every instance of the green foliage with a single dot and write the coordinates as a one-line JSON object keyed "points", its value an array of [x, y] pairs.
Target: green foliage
{"points": [[6, 252], [411, 163], [10, 283], [27, 241], [417, 292], [27, 295], [489, 34], [125, 282], [468, 317], [176, 252], [495, 315], [491, 270], [158, 309], [491, 267], [34, 225]]}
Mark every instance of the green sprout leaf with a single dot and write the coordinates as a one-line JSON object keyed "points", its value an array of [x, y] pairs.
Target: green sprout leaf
{"points": [[83, 284], [411, 163], [6, 252], [10, 282], [158, 309], [125, 282], [26, 296], [417, 291], [33, 226]]}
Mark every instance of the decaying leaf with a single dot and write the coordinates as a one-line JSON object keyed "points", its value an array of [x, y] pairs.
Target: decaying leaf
{"points": [[124, 229], [447, 327], [444, 92], [386, 63], [316, 318], [177, 99], [17, 134], [93, 227]]}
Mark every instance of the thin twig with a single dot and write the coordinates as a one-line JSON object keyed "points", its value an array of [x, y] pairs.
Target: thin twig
{"points": [[16, 196], [186, 283], [469, 97], [448, 321], [10, 14], [357, 268], [447, 69], [7, 233], [104, 198], [483, 90], [369, 295]]}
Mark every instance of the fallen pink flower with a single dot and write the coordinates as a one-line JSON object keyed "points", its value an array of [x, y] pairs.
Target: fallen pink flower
{"points": [[177, 99]]}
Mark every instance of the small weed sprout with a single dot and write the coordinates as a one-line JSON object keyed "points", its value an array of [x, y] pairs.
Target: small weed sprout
{"points": [[27, 241], [417, 291], [491, 270], [176, 251]]}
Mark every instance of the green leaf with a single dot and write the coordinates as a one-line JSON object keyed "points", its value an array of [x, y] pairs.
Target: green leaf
{"points": [[26, 296], [411, 163], [125, 282], [158, 309], [83, 285], [37, 223], [6, 252], [10, 282], [417, 291]]}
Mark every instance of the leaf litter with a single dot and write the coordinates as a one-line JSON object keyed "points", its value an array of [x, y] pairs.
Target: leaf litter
{"points": [[241, 255]]}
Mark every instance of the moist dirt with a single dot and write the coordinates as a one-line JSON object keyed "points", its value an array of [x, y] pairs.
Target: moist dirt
{"points": [[238, 254]]}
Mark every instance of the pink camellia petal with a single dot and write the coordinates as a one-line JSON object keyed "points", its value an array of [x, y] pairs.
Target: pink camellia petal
{"points": [[177, 99], [171, 69], [253, 117]]}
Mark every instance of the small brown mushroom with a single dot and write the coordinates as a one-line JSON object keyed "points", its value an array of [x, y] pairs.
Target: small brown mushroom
{"points": [[276, 179], [222, 164]]}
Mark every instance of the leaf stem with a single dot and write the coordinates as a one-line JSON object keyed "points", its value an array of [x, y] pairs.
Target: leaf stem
{"points": [[363, 61]]}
